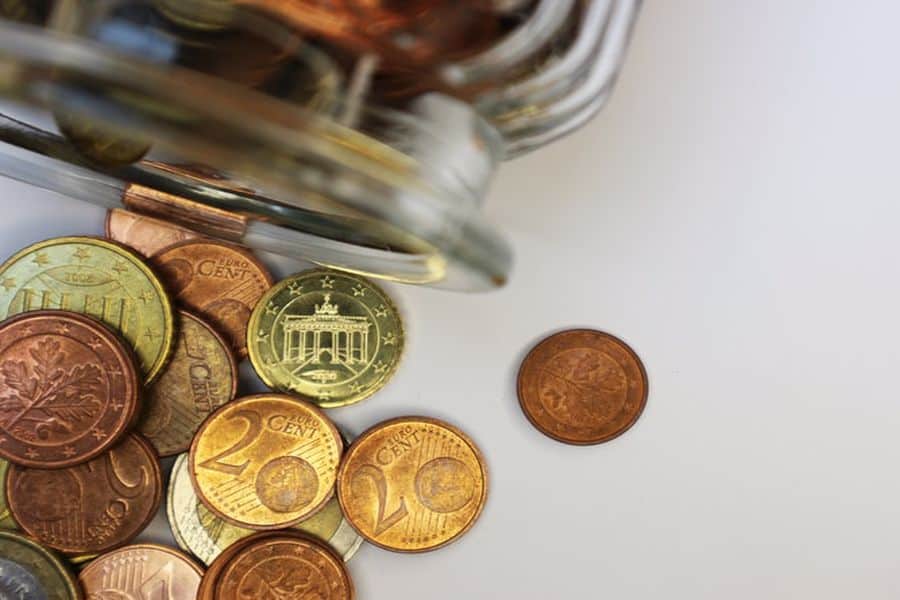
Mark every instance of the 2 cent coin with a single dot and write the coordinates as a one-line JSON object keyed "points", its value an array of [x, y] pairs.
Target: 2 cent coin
{"points": [[412, 484], [582, 387], [92, 507], [68, 389]]}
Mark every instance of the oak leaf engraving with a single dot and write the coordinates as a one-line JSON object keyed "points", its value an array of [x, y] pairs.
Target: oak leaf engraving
{"points": [[45, 398]]}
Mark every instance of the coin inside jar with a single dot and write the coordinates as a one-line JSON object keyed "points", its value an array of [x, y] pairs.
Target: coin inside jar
{"points": [[68, 389], [582, 387], [30, 572], [266, 461], [144, 234], [95, 277], [280, 565], [334, 337], [141, 571], [200, 532], [412, 484], [220, 282], [91, 507], [201, 376]]}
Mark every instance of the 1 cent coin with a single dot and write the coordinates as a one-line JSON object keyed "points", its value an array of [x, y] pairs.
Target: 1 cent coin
{"points": [[145, 234], [412, 484], [266, 461], [29, 571], [582, 387], [220, 282], [201, 376], [334, 337], [283, 565], [91, 507], [99, 278], [141, 571], [68, 389]]}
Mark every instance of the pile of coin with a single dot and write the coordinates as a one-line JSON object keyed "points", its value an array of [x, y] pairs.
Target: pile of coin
{"points": [[118, 359]]}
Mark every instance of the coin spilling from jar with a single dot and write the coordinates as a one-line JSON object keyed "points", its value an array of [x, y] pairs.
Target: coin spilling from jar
{"points": [[112, 358]]}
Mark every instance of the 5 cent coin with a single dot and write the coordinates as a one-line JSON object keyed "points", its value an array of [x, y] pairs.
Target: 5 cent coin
{"points": [[95, 277], [201, 376], [412, 484], [582, 387], [266, 461], [91, 507], [141, 571], [220, 282], [30, 571], [68, 389]]}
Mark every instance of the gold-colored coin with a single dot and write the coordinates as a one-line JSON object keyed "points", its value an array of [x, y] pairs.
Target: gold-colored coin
{"points": [[100, 144], [266, 461], [98, 278], [6, 520], [334, 337], [199, 531], [412, 484], [200, 377], [28, 570]]}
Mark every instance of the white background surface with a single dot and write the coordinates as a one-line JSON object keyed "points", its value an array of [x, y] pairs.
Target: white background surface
{"points": [[733, 215]]}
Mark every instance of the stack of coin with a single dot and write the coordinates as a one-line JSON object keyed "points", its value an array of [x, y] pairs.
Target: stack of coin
{"points": [[110, 361]]}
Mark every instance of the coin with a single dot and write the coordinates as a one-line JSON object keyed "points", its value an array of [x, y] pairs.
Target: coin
{"points": [[6, 521], [99, 278], [333, 337], [199, 531], [100, 144], [201, 376], [283, 565], [91, 507], [68, 389], [266, 461], [412, 484], [582, 387], [141, 571], [30, 572], [144, 234], [220, 282]]}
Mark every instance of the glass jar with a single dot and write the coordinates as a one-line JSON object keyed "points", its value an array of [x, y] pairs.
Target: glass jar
{"points": [[361, 139]]}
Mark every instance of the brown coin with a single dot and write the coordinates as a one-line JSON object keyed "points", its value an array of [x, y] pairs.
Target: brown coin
{"points": [[201, 376], [215, 569], [92, 507], [141, 571], [582, 387], [283, 565], [68, 389], [221, 282], [145, 234]]}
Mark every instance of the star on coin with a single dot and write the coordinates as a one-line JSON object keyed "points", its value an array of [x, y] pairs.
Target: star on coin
{"points": [[63, 329], [31, 453], [41, 259], [381, 311], [9, 283], [295, 288], [271, 309], [95, 343], [355, 387], [82, 254], [325, 394], [117, 406], [379, 367], [359, 290], [328, 282], [69, 451], [98, 433], [263, 334], [390, 339]]}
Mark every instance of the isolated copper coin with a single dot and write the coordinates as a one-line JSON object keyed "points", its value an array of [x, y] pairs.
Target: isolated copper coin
{"points": [[141, 571], [582, 387], [68, 389], [91, 507], [283, 565], [220, 282], [145, 234]]}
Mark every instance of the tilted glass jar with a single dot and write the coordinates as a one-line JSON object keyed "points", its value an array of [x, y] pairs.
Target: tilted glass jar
{"points": [[247, 120]]}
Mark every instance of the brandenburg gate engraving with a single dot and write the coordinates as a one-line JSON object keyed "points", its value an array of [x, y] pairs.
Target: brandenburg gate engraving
{"points": [[307, 338]]}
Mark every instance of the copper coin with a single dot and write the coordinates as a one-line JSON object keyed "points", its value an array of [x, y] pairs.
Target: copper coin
{"points": [[91, 507], [215, 569], [221, 282], [283, 565], [144, 234], [141, 571], [582, 387], [68, 389]]}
